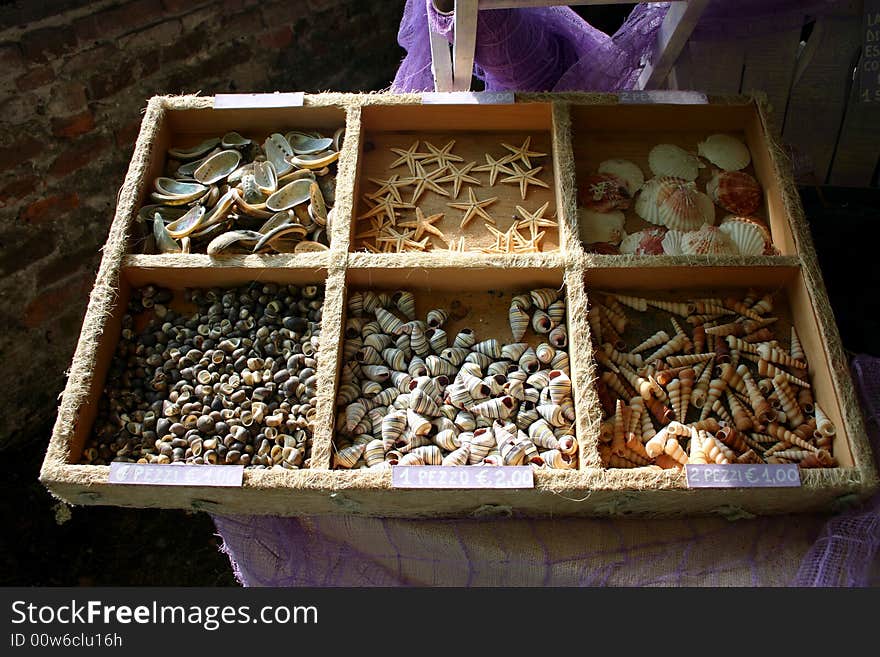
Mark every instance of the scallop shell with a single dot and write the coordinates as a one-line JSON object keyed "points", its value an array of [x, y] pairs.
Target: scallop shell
{"points": [[627, 171], [644, 242], [736, 192], [681, 207], [292, 194], [217, 167], [745, 236], [769, 249], [672, 242], [601, 226], [725, 151], [672, 160], [709, 240], [603, 192]]}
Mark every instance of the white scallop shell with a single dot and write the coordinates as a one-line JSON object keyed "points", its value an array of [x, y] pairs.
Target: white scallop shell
{"points": [[628, 171], [746, 237], [601, 226], [725, 152], [686, 209], [646, 202], [709, 240], [672, 242], [672, 160], [643, 242]]}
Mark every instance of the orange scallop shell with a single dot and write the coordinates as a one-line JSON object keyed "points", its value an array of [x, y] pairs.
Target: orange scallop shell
{"points": [[644, 242], [603, 192], [769, 249], [736, 192]]}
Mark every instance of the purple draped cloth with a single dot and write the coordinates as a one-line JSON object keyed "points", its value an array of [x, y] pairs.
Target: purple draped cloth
{"points": [[554, 49]]}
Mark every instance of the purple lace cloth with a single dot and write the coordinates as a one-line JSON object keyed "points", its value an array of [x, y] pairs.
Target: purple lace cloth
{"points": [[802, 550]]}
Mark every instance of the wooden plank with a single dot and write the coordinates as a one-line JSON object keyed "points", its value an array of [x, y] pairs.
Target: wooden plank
{"points": [[677, 26], [712, 66], [465, 44], [441, 62], [819, 95], [858, 149], [769, 64]]}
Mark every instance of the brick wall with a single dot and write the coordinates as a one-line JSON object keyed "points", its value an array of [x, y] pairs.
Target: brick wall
{"points": [[74, 78]]}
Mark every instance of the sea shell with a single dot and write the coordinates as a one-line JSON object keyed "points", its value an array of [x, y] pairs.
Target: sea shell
{"points": [[725, 151], [671, 160], [217, 167], [736, 192], [277, 150], [746, 237], [709, 240], [240, 239], [628, 171], [519, 321], [672, 242], [406, 303], [292, 194], [769, 249], [164, 242], [601, 226], [603, 192], [644, 242], [187, 223], [680, 206], [303, 144], [543, 297]]}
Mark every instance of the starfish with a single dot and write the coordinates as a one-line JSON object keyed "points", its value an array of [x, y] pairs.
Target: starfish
{"points": [[524, 178], [378, 224], [442, 156], [474, 208], [423, 181], [386, 206], [523, 152], [534, 220], [459, 176], [390, 186], [455, 246], [408, 156], [423, 224], [395, 238], [506, 240], [493, 166], [532, 245]]}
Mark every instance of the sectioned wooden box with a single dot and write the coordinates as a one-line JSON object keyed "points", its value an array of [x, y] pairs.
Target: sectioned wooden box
{"points": [[575, 127]]}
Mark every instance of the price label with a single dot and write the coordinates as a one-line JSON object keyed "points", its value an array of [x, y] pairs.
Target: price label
{"points": [[661, 97], [251, 101], [468, 98], [154, 474], [743, 475], [463, 476], [869, 78]]}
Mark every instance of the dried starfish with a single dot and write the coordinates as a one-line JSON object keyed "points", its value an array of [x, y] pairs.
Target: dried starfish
{"points": [[390, 185], [523, 152], [423, 224], [397, 239], [534, 220], [423, 181], [524, 179], [378, 225], [504, 242], [532, 245], [455, 246], [493, 166], [408, 156], [386, 206], [459, 176], [442, 156], [473, 208]]}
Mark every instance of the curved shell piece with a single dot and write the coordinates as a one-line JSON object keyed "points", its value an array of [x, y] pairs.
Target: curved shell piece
{"points": [[186, 224], [193, 152], [234, 140], [709, 240], [746, 237], [179, 189], [315, 161], [265, 178], [240, 239], [644, 242], [736, 192], [164, 242], [303, 144], [217, 167], [628, 171], [601, 227], [725, 152], [603, 192], [672, 160], [277, 150], [292, 194]]}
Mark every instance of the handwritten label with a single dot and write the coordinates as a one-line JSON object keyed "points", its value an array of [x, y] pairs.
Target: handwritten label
{"points": [[463, 476], [250, 101], [468, 98], [869, 79], [661, 97], [743, 475], [176, 475]]}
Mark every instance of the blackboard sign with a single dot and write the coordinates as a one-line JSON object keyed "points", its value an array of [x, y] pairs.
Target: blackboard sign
{"points": [[869, 90]]}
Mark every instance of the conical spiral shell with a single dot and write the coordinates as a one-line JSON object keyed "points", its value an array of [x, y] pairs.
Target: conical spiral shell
{"points": [[660, 337], [388, 321], [348, 456], [519, 322], [490, 347], [458, 456], [541, 322], [788, 400], [543, 297], [437, 317], [500, 407], [406, 303]]}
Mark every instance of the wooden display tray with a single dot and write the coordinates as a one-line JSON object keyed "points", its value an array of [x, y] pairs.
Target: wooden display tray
{"points": [[573, 126]]}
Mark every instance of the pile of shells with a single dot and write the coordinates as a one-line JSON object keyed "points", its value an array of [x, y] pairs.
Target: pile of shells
{"points": [[232, 382], [725, 392], [683, 215], [412, 395], [229, 195]]}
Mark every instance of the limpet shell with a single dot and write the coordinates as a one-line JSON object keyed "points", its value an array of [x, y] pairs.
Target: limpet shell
{"points": [[234, 140], [601, 226], [603, 192], [277, 150], [188, 223], [627, 171], [725, 152], [217, 167], [672, 160], [736, 192], [195, 151], [644, 242], [292, 194], [746, 237]]}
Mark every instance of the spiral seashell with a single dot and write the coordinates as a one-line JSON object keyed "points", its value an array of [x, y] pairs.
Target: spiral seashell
{"points": [[543, 297], [347, 457], [447, 439], [515, 388], [437, 317], [419, 342], [558, 337], [674, 449], [454, 355], [421, 403], [797, 351], [481, 443], [481, 360], [464, 339], [388, 321], [519, 321], [347, 393], [367, 355], [437, 339], [560, 386], [544, 353], [778, 356], [556, 310], [378, 373], [824, 426], [523, 301], [393, 426], [490, 348], [418, 424], [495, 383], [494, 408], [552, 413], [374, 453], [377, 342], [621, 358], [370, 389], [354, 413], [677, 343], [528, 362], [504, 432], [371, 301], [500, 367], [458, 456], [514, 350], [401, 381], [768, 369], [405, 302], [475, 386], [458, 396], [788, 401], [464, 420], [560, 361], [657, 443], [439, 367]]}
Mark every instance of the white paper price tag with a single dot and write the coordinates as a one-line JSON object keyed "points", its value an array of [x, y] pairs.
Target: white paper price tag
{"points": [[468, 98], [154, 474], [659, 97], [251, 101], [743, 475], [464, 476]]}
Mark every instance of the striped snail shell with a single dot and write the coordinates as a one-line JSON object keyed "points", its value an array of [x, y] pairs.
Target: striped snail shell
{"points": [[417, 423], [419, 341], [448, 411], [370, 389], [541, 433], [560, 386], [374, 453], [545, 396], [545, 353], [560, 362], [480, 359], [431, 454], [405, 302], [464, 420], [543, 297], [522, 301], [428, 385], [552, 413], [447, 439], [556, 310], [512, 453], [389, 322], [401, 401], [568, 445], [459, 396], [376, 416], [553, 458], [354, 326], [541, 322], [370, 327], [501, 367], [481, 442], [404, 344], [378, 373], [454, 355], [503, 432], [384, 299], [378, 341], [568, 409], [370, 301], [356, 303], [348, 392], [514, 350], [350, 348], [393, 426], [437, 317], [519, 321], [421, 402], [517, 374], [500, 407], [464, 339], [515, 388], [529, 362], [438, 366], [475, 386], [558, 337], [442, 423], [366, 355], [354, 413], [395, 358], [458, 456], [401, 380], [490, 347], [531, 395], [525, 417], [348, 456], [469, 368], [539, 379], [393, 456], [495, 382], [387, 396], [437, 339], [417, 367], [411, 458]]}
